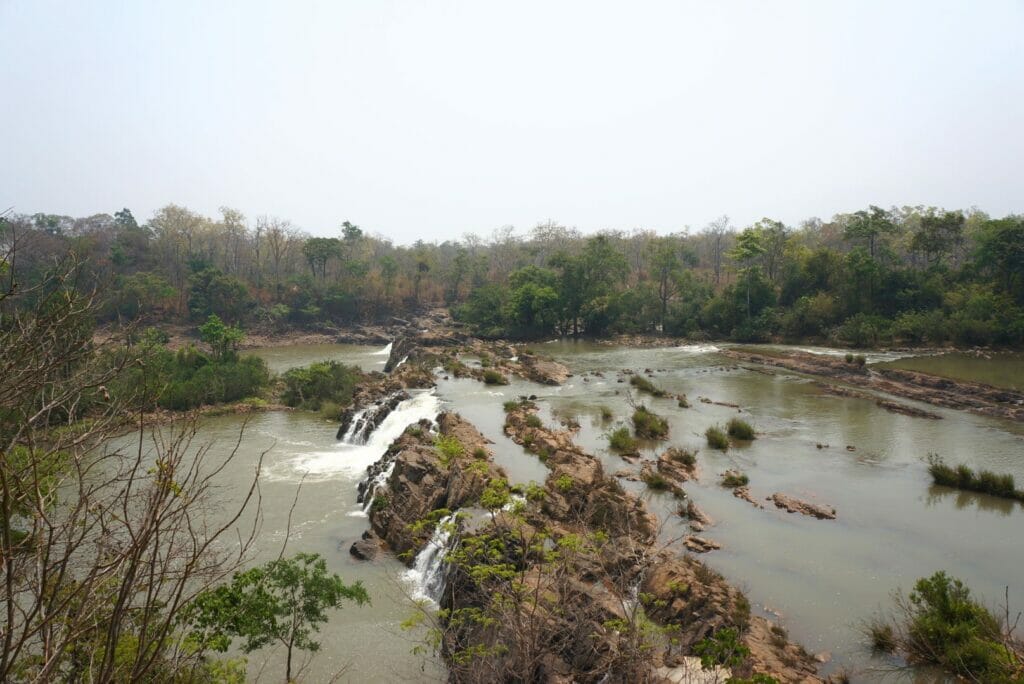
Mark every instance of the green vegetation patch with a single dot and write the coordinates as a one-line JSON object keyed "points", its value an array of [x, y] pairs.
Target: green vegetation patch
{"points": [[963, 477], [717, 438], [740, 429], [649, 424], [645, 385], [311, 386], [622, 442]]}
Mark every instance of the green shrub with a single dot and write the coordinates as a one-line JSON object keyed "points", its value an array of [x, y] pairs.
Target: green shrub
{"points": [[648, 424], [564, 483], [448, 448], [724, 648], [734, 478], [308, 387], [656, 481], [621, 441], [947, 627], [740, 429], [717, 438], [493, 377], [645, 385], [534, 421], [861, 360], [606, 413], [684, 456], [849, 357], [510, 406], [189, 378], [480, 453], [962, 477]]}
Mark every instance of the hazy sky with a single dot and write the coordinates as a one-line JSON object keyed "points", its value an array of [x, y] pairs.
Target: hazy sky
{"points": [[427, 119]]}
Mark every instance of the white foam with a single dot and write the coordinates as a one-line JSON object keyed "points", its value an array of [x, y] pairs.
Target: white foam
{"points": [[426, 576], [698, 348], [351, 460], [386, 351]]}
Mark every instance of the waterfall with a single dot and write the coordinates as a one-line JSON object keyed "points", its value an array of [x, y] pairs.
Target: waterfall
{"points": [[371, 487], [353, 426], [351, 458], [426, 576], [386, 351]]}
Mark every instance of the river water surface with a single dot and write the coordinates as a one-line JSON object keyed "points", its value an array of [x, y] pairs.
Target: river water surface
{"points": [[819, 578]]}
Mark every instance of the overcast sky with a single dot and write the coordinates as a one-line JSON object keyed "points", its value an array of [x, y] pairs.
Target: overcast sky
{"points": [[428, 119]]}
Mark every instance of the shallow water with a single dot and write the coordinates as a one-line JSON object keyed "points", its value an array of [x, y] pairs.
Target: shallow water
{"points": [[1001, 369], [820, 578]]}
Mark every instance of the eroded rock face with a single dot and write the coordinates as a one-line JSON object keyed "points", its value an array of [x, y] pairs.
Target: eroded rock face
{"points": [[423, 479], [793, 505], [701, 601]]}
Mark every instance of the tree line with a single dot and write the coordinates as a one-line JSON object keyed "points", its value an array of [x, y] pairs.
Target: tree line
{"points": [[874, 276]]}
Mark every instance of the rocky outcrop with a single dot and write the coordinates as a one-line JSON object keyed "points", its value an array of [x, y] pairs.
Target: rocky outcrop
{"points": [[891, 406], [367, 547], [975, 397], [424, 478], [357, 424], [793, 505], [744, 493], [687, 593], [546, 587], [543, 371], [700, 544], [678, 464]]}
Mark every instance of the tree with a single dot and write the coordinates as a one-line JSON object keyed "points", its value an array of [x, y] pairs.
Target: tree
{"points": [[100, 551], [748, 248], [668, 266], [284, 601], [1000, 252], [869, 225], [223, 339]]}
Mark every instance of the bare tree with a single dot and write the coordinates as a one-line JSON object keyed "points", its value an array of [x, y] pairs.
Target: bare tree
{"points": [[101, 548]]}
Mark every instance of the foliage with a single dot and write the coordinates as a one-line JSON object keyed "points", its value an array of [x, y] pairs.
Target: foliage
{"points": [[493, 377], [716, 438], [223, 339], [324, 381], [940, 623], [284, 601], [648, 424], [740, 429], [645, 385], [723, 648], [448, 448], [622, 442], [734, 478], [963, 477]]}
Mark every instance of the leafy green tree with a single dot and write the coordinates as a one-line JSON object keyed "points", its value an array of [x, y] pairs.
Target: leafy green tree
{"points": [[216, 293], [223, 339], [319, 252], [869, 225], [1000, 253], [748, 249], [284, 601]]}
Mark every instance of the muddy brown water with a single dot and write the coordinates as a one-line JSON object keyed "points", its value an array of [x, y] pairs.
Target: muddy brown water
{"points": [[819, 578]]}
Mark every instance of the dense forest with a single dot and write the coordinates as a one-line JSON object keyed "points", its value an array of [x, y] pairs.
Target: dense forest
{"points": [[910, 275]]}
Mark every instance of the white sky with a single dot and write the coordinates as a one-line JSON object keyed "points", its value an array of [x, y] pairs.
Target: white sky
{"points": [[430, 119]]}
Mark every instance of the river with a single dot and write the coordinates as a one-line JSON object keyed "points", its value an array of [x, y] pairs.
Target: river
{"points": [[820, 578]]}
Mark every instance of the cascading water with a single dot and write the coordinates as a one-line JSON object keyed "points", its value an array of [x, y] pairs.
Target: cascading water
{"points": [[426, 577], [386, 351], [350, 458]]}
